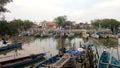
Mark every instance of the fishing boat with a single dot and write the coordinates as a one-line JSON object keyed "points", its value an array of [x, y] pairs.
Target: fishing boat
{"points": [[67, 60], [108, 61], [71, 35], [22, 61], [58, 61], [9, 50], [10, 46], [48, 61]]}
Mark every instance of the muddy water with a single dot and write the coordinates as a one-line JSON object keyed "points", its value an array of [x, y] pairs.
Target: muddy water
{"points": [[32, 45]]}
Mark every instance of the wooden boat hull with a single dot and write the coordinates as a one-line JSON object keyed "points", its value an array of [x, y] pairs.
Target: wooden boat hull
{"points": [[23, 61], [9, 50], [105, 59], [115, 63], [57, 62], [71, 35], [48, 61], [10, 46]]}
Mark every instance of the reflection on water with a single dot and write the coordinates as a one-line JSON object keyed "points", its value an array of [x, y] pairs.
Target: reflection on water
{"points": [[107, 45], [6, 51], [38, 45], [22, 39], [108, 42]]}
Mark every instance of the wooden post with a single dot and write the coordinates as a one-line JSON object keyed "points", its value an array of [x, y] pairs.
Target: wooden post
{"points": [[85, 57], [109, 63], [96, 51], [74, 43], [80, 45], [118, 54], [73, 46], [118, 49]]}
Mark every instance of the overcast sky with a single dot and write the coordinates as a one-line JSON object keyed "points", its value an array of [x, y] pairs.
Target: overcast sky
{"points": [[75, 10]]}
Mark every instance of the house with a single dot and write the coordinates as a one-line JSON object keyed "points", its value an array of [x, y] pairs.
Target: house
{"points": [[35, 28], [51, 24], [48, 25], [84, 25], [35, 25]]}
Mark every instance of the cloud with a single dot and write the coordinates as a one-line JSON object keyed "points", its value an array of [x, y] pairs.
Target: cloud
{"points": [[76, 10], [104, 9]]}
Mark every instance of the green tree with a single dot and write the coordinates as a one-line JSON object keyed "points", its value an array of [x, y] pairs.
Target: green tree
{"points": [[14, 27], [62, 21], [4, 25], [21, 25], [95, 22], [2, 4], [2, 8], [106, 23], [7, 28], [18, 24], [27, 24]]}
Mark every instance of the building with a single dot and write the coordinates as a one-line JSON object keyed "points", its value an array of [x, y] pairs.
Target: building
{"points": [[48, 25], [84, 25]]}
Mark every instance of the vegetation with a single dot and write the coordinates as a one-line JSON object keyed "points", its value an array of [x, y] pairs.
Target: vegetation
{"points": [[2, 4], [2, 8], [106, 42], [14, 27], [106, 23], [5, 28], [62, 21], [21, 25]]}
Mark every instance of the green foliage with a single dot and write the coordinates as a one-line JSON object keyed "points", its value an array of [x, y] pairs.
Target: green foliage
{"points": [[2, 4], [95, 22], [17, 23], [6, 28], [62, 21], [14, 27], [27, 24], [106, 23], [2, 27], [21, 25]]}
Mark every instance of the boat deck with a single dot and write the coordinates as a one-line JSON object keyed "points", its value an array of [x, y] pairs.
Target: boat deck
{"points": [[19, 60], [61, 62]]}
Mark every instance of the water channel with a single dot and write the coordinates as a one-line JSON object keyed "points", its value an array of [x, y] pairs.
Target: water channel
{"points": [[32, 45]]}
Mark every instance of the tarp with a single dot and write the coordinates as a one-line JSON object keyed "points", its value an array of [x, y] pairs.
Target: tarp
{"points": [[74, 52]]}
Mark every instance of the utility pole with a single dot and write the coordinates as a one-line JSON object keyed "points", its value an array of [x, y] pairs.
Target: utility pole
{"points": [[99, 26], [114, 30]]}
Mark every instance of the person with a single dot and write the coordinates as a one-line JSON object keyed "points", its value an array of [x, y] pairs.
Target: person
{"points": [[4, 41], [62, 51], [100, 36], [107, 37]]}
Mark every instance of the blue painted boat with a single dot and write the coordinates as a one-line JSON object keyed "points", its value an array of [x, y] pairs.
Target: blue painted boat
{"points": [[9, 50], [115, 63], [48, 61], [55, 58], [10, 46], [71, 35], [104, 61], [88, 44], [23, 61]]}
